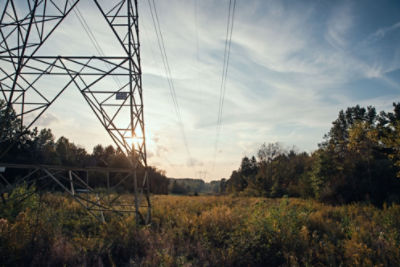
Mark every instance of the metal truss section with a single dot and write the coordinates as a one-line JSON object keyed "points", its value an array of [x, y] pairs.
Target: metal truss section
{"points": [[75, 182], [24, 28], [31, 80]]}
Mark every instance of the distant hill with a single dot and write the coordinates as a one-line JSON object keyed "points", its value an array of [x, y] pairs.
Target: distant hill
{"points": [[190, 186]]}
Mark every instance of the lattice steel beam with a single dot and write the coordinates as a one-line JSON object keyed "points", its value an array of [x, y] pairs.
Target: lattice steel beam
{"points": [[26, 26]]}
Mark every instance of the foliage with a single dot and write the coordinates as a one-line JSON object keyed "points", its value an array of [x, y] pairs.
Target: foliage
{"points": [[18, 200], [359, 160]]}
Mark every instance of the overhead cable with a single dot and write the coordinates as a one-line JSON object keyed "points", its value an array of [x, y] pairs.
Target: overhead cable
{"points": [[227, 50], [161, 45]]}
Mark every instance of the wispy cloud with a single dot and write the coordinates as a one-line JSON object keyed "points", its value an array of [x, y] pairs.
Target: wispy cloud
{"points": [[339, 25], [47, 119], [382, 32]]}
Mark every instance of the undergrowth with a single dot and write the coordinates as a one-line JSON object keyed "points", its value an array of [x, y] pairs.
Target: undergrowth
{"points": [[52, 229]]}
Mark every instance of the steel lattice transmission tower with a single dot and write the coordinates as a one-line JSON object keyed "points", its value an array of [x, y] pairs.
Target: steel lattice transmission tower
{"points": [[28, 73]]}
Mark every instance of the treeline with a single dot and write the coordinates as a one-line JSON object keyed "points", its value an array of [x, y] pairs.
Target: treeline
{"points": [[41, 147], [359, 160], [188, 186]]}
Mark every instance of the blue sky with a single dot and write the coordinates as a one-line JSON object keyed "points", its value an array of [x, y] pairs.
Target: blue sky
{"points": [[293, 66]]}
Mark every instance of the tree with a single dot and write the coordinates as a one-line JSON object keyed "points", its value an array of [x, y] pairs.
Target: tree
{"points": [[178, 189], [43, 148], [266, 177], [266, 153], [10, 124], [158, 181], [13, 136], [389, 125], [352, 164], [247, 167], [236, 182], [222, 186]]}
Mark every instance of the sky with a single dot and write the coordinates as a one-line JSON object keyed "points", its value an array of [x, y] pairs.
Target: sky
{"points": [[293, 66]]}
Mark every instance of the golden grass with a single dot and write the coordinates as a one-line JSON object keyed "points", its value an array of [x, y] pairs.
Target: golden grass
{"points": [[206, 231]]}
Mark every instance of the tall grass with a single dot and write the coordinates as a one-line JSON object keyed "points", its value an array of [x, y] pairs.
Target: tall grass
{"points": [[202, 231]]}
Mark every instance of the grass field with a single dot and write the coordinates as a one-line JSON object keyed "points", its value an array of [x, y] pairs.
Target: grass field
{"points": [[202, 231]]}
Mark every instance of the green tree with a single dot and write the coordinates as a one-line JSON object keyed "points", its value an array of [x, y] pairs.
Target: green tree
{"points": [[10, 124], [236, 182], [352, 165], [44, 148], [390, 135], [14, 138]]}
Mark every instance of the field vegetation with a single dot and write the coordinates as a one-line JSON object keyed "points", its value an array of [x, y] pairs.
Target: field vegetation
{"points": [[52, 229]]}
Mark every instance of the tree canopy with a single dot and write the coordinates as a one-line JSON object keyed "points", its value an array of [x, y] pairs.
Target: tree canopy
{"points": [[359, 160]]}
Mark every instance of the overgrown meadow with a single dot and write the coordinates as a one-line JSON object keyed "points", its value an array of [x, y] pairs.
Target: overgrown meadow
{"points": [[53, 230]]}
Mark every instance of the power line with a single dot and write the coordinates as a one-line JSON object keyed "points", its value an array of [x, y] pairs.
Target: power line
{"points": [[159, 72], [196, 85], [196, 22], [94, 41], [227, 64], [161, 45], [227, 50]]}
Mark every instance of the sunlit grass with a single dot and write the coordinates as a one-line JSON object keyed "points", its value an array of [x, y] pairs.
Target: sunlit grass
{"points": [[204, 231]]}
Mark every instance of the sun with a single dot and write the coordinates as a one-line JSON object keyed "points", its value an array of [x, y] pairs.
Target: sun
{"points": [[134, 142]]}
